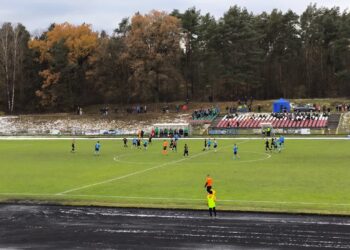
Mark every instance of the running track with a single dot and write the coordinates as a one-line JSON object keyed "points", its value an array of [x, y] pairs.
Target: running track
{"points": [[33, 226]]}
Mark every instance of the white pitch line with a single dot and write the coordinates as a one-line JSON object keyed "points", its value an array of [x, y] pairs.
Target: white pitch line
{"points": [[133, 173], [34, 138], [263, 159], [178, 199], [121, 177]]}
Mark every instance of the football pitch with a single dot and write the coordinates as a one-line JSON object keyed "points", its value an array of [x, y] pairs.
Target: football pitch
{"points": [[311, 176]]}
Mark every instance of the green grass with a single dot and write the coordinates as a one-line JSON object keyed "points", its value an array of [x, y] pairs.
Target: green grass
{"points": [[310, 176]]}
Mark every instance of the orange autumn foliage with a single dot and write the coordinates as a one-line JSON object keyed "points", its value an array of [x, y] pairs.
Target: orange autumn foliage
{"points": [[79, 39], [153, 45], [80, 42]]}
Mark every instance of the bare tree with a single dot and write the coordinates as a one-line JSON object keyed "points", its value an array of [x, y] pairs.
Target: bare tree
{"points": [[10, 58]]}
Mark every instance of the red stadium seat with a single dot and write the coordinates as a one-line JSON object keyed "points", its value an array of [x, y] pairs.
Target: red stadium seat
{"points": [[246, 121], [278, 123], [250, 123], [300, 124], [294, 124]]}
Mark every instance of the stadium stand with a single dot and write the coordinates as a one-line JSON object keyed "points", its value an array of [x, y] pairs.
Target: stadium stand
{"points": [[278, 120], [204, 115], [333, 121]]}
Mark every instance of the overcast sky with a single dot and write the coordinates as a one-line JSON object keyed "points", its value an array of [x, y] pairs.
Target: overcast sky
{"points": [[37, 15]]}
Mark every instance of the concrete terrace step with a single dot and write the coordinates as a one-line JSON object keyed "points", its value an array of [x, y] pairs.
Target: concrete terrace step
{"points": [[216, 121], [333, 121]]}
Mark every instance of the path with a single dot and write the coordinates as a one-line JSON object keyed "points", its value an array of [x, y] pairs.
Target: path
{"points": [[60, 227]]}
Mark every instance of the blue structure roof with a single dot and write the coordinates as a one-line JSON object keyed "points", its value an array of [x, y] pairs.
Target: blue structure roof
{"points": [[281, 105]]}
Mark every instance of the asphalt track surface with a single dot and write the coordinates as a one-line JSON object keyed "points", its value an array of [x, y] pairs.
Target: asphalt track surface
{"points": [[67, 227]]}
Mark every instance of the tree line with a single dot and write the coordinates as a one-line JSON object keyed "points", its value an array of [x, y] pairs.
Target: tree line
{"points": [[164, 57]]}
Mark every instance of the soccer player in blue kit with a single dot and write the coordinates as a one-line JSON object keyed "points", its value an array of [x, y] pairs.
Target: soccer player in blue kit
{"points": [[235, 152], [209, 144], [97, 148]]}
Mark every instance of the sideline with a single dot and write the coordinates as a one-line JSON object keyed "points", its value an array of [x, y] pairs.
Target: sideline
{"points": [[178, 199], [137, 172], [29, 138]]}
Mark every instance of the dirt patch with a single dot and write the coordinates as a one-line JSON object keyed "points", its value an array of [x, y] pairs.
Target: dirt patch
{"points": [[69, 124]]}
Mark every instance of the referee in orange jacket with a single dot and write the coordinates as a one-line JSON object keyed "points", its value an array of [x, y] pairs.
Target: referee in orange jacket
{"points": [[208, 183]]}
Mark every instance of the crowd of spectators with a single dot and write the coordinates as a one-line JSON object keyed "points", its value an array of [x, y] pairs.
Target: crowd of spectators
{"points": [[299, 116], [138, 109], [141, 109], [296, 116], [231, 110], [166, 109], [311, 107], [235, 120], [177, 108], [230, 116], [243, 108], [104, 110], [203, 114], [244, 104], [79, 110], [342, 107], [169, 132]]}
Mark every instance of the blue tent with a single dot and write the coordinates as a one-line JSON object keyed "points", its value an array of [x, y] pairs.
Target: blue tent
{"points": [[281, 105]]}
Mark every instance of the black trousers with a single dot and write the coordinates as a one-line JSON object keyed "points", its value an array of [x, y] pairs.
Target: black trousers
{"points": [[211, 211], [208, 188]]}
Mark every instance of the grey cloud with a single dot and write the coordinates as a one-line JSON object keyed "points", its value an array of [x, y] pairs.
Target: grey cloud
{"points": [[106, 14]]}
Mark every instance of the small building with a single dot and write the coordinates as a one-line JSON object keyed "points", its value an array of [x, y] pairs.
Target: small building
{"points": [[280, 106]]}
